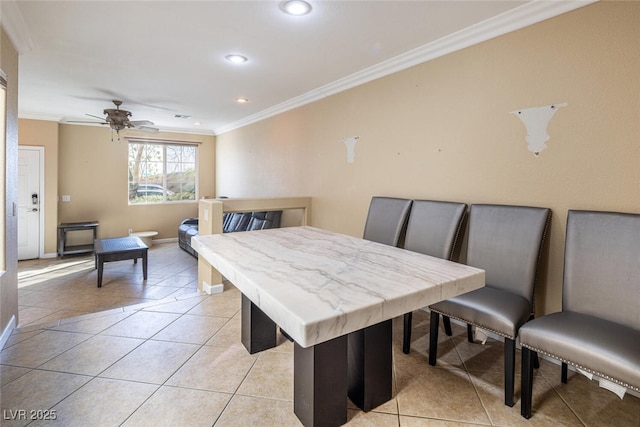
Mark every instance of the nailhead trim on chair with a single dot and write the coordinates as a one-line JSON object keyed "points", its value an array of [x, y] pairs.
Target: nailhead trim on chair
{"points": [[475, 324], [584, 368]]}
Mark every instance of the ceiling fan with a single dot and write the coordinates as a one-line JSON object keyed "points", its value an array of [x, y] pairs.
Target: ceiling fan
{"points": [[118, 120]]}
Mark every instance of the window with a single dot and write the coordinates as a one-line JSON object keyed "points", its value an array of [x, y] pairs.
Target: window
{"points": [[161, 171]]}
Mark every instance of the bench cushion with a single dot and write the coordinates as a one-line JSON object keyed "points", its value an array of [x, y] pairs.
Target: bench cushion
{"points": [[606, 349]]}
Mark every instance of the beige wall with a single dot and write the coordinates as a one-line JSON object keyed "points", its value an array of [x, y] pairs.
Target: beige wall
{"points": [[45, 134], [9, 167], [442, 130], [93, 171]]}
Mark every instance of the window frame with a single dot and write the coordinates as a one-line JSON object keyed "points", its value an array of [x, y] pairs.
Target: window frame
{"points": [[165, 145]]}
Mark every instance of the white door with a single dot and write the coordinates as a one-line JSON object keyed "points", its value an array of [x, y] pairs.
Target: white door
{"points": [[29, 202]]}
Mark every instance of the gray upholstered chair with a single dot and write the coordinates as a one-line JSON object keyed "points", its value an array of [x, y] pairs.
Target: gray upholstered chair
{"points": [[598, 329], [433, 229], [386, 219], [505, 241]]}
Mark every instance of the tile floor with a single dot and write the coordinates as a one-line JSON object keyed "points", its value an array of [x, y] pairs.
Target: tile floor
{"points": [[134, 354]]}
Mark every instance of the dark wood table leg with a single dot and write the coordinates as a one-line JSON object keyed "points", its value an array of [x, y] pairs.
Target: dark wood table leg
{"points": [[100, 261], [144, 263], [320, 383], [258, 330], [371, 366]]}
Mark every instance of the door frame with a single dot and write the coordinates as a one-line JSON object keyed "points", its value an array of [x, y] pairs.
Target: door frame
{"points": [[41, 184]]}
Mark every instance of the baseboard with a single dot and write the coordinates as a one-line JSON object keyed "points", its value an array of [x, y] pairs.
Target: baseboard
{"points": [[168, 240], [7, 332], [49, 255], [212, 289]]}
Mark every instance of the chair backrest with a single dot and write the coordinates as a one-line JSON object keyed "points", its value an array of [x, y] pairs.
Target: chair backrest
{"points": [[506, 241], [434, 227], [602, 266], [386, 219]]}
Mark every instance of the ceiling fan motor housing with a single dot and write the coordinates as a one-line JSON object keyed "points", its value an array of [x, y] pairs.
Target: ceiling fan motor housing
{"points": [[118, 119]]}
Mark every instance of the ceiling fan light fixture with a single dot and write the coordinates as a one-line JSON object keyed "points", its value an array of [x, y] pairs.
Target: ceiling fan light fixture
{"points": [[295, 7], [236, 59]]}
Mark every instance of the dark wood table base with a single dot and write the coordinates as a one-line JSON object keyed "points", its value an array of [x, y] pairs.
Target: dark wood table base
{"points": [[120, 249], [358, 365]]}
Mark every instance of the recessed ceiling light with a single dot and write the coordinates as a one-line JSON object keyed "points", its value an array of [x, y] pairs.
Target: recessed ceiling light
{"points": [[295, 7], [242, 100], [236, 59], [197, 123]]}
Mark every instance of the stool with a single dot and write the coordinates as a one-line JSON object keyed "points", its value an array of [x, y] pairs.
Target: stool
{"points": [[146, 236]]}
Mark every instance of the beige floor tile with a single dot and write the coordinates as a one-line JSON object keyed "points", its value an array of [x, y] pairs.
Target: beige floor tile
{"points": [[433, 392], [92, 323], [270, 377], [141, 324], [33, 315], [465, 389], [229, 335], [175, 281], [22, 334], [152, 362], [218, 305], [406, 421], [594, 405], [490, 387], [171, 406], [356, 418], [35, 351], [214, 368], [37, 390], [483, 357], [158, 292], [101, 402], [93, 355], [191, 329], [255, 411], [60, 315], [10, 373]]}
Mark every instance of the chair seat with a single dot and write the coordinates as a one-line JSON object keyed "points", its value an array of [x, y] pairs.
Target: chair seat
{"points": [[489, 308], [605, 348]]}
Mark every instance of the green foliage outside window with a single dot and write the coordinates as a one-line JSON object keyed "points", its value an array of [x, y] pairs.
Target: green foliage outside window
{"points": [[160, 173]]}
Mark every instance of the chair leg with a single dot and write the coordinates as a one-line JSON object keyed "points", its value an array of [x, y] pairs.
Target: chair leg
{"points": [[446, 321], [527, 383], [469, 332], [433, 337], [563, 375], [509, 370], [536, 360], [406, 336]]}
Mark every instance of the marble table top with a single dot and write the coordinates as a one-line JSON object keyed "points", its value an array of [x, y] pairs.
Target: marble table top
{"points": [[318, 285]]}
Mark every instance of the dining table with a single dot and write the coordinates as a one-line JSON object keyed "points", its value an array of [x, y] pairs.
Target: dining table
{"points": [[335, 296]]}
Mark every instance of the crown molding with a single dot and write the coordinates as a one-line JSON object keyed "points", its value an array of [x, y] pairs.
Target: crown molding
{"points": [[520, 17], [15, 27]]}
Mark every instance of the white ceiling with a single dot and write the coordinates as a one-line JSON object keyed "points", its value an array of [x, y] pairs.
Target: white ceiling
{"points": [[163, 58]]}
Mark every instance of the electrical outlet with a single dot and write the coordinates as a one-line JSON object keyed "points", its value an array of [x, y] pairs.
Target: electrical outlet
{"points": [[66, 198]]}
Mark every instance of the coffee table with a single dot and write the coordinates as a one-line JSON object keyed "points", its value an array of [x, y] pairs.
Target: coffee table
{"points": [[119, 249]]}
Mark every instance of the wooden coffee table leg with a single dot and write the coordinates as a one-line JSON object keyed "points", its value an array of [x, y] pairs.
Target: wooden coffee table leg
{"points": [[100, 261], [144, 264]]}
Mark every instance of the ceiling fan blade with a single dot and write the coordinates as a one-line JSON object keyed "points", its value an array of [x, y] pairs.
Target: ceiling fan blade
{"points": [[141, 123], [147, 129], [85, 121], [97, 117]]}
